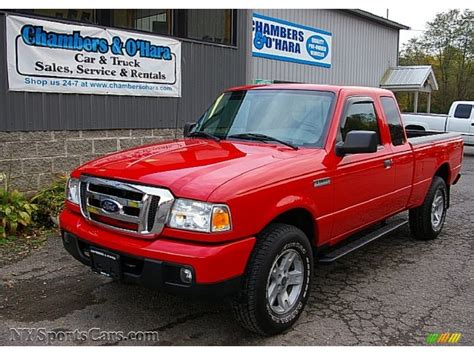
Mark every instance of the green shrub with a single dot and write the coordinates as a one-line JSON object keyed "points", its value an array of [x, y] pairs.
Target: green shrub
{"points": [[50, 201], [15, 211]]}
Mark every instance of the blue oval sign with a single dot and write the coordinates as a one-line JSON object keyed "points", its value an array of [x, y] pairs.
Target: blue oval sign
{"points": [[317, 47], [110, 206]]}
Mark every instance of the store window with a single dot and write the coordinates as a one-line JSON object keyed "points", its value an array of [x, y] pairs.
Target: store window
{"points": [[82, 15], [209, 25], [148, 20]]}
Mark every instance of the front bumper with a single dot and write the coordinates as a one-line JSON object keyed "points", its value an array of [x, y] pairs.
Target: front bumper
{"points": [[217, 268]]}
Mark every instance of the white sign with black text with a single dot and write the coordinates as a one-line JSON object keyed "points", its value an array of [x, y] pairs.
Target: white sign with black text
{"points": [[47, 56]]}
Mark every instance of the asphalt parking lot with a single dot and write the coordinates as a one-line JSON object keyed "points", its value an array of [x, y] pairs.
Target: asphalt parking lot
{"points": [[393, 292]]}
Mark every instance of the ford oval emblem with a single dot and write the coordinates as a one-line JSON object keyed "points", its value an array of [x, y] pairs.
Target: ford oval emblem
{"points": [[110, 206]]}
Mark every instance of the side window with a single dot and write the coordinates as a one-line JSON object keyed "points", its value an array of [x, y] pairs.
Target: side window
{"points": [[463, 111], [360, 116], [393, 120]]}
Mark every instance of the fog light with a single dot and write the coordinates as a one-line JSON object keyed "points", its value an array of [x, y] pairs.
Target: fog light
{"points": [[186, 275]]}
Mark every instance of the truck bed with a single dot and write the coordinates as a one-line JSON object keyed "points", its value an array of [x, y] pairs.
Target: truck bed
{"points": [[416, 137], [429, 149]]}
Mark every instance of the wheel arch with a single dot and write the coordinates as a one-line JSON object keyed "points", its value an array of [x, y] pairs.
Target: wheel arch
{"points": [[444, 172], [415, 127], [301, 218]]}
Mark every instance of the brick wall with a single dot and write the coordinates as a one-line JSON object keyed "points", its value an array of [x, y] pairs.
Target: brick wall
{"points": [[33, 159]]}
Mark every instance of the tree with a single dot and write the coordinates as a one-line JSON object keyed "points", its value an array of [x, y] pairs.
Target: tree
{"points": [[447, 45], [413, 52]]}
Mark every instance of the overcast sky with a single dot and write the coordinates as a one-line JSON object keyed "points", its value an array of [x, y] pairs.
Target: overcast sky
{"points": [[415, 18]]}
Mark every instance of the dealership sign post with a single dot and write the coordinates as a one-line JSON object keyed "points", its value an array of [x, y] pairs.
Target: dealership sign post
{"points": [[48, 56], [286, 41]]}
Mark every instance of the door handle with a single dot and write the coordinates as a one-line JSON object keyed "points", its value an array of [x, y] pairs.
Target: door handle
{"points": [[387, 163]]}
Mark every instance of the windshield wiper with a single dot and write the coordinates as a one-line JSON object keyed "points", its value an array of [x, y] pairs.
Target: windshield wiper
{"points": [[204, 134], [262, 138]]}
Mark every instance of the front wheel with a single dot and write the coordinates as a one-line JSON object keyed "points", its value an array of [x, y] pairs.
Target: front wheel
{"points": [[276, 285], [426, 221]]}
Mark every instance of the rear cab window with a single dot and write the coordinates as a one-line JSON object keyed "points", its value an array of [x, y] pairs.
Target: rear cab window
{"points": [[394, 121], [463, 111]]}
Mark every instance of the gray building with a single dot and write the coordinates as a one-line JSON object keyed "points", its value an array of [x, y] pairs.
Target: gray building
{"points": [[45, 132], [364, 46]]}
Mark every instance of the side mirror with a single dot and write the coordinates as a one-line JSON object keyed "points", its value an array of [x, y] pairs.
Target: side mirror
{"points": [[358, 142], [188, 127]]}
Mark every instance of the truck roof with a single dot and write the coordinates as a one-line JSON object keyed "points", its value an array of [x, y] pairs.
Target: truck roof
{"points": [[316, 87], [463, 102]]}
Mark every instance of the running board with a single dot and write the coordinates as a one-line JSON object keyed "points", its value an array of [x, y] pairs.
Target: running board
{"points": [[358, 243]]}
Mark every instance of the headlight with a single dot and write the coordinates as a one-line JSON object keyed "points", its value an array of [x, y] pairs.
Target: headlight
{"points": [[199, 216], [72, 191]]}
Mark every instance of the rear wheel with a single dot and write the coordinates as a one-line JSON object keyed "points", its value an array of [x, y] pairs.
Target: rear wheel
{"points": [[426, 221], [277, 280]]}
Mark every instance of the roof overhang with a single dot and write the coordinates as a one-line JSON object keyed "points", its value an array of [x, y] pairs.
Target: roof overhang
{"points": [[410, 78], [381, 20]]}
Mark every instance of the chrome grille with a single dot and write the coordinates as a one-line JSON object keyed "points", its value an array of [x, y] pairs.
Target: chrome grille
{"points": [[137, 210]]}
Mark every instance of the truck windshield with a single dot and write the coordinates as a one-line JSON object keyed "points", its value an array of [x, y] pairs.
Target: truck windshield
{"points": [[297, 117]]}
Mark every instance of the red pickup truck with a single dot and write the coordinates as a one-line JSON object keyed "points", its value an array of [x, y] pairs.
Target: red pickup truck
{"points": [[269, 179]]}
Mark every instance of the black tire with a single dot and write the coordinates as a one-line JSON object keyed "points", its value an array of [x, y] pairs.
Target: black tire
{"points": [[420, 218], [250, 306]]}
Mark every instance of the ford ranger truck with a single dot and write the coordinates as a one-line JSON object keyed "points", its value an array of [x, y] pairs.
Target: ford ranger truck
{"points": [[269, 180]]}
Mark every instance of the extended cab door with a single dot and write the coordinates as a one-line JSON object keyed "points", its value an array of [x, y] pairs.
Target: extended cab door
{"points": [[363, 183], [402, 159], [461, 120]]}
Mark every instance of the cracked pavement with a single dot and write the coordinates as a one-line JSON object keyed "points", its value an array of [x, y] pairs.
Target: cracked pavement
{"points": [[393, 291]]}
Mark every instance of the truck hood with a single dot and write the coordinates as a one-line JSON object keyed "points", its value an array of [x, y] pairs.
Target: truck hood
{"points": [[191, 168]]}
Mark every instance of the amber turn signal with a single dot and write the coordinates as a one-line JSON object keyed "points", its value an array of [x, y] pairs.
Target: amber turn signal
{"points": [[220, 219]]}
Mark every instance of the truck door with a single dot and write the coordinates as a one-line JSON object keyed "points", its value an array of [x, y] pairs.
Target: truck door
{"points": [[460, 120], [363, 183], [403, 160]]}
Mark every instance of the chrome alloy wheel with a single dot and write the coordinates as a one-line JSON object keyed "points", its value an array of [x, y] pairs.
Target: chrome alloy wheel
{"points": [[285, 281], [438, 210]]}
